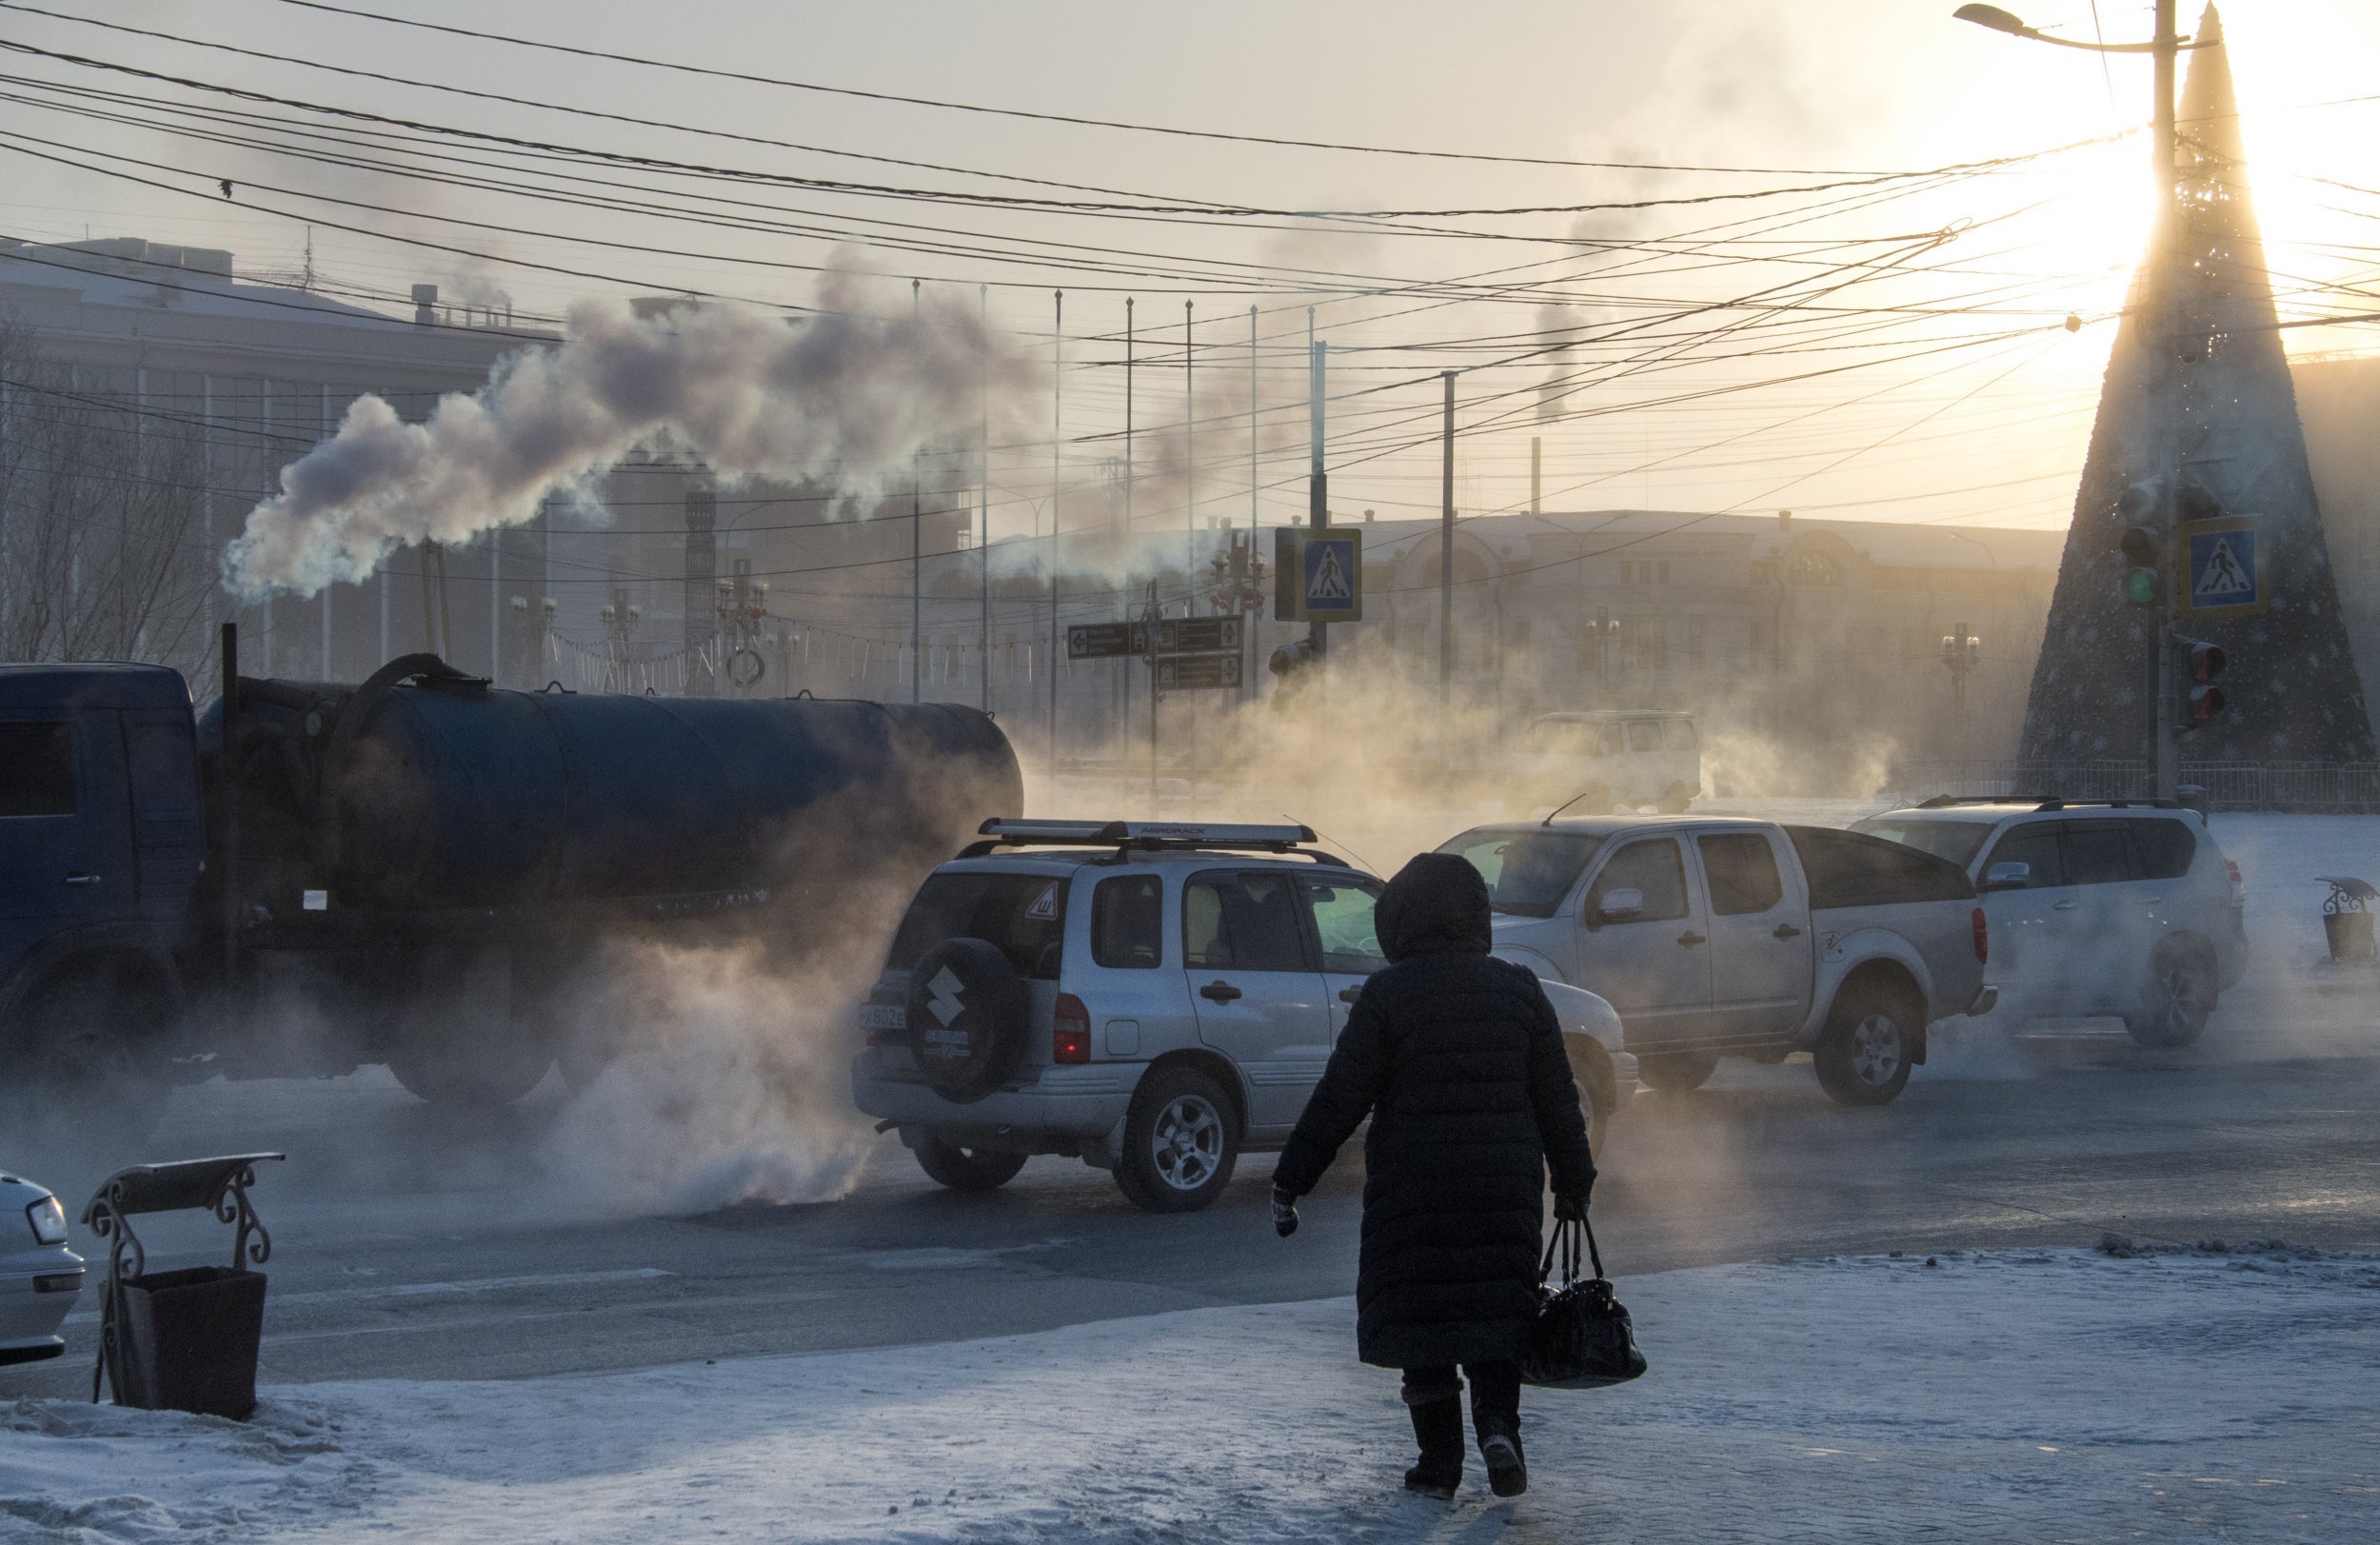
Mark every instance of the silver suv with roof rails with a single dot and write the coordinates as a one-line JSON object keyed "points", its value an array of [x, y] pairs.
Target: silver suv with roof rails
{"points": [[2120, 907], [1153, 999]]}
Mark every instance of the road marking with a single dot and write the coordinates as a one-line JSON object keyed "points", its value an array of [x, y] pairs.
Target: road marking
{"points": [[417, 1289]]}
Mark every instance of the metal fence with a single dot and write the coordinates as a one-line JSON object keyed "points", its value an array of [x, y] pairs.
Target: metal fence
{"points": [[2303, 787]]}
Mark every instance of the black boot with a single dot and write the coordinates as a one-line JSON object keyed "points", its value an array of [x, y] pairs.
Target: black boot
{"points": [[1439, 1427], [1495, 1416]]}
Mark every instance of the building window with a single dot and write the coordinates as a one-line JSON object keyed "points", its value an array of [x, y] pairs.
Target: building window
{"points": [[1644, 643], [1813, 568], [1693, 644], [1662, 576]]}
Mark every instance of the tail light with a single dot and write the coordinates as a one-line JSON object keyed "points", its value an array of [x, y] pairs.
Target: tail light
{"points": [[1983, 937], [1070, 1031]]}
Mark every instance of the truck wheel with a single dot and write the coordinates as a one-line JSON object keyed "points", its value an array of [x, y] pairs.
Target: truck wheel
{"points": [[1863, 1057], [1598, 1093], [1674, 798], [458, 1042], [92, 1068], [2179, 995], [1677, 1072], [967, 1169], [1180, 1142]]}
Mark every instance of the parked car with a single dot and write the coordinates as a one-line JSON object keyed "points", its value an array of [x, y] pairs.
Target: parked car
{"points": [[2124, 907], [1728, 938], [1592, 760], [1154, 1000], [40, 1277]]}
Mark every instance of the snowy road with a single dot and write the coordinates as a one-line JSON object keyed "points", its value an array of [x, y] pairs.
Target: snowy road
{"points": [[408, 1245], [2034, 1396]]}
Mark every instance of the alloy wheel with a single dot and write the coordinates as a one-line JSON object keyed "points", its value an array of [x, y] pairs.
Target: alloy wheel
{"points": [[1876, 1049], [1186, 1142]]}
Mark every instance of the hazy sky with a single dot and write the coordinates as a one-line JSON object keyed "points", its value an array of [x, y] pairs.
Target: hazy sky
{"points": [[1946, 392]]}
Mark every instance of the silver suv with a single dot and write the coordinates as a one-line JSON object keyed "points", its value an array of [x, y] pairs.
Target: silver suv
{"points": [[1154, 999], [2123, 908]]}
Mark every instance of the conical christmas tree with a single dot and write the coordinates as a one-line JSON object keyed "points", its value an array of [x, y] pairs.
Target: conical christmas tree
{"points": [[2197, 386]]}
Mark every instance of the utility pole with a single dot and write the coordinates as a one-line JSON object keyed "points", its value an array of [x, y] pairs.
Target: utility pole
{"points": [[1318, 481], [2164, 334], [984, 490], [1057, 419], [1446, 562], [1961, 651], [1189, 472], [700, 602], [1129, 533], [1536, 474], [917, 519]]}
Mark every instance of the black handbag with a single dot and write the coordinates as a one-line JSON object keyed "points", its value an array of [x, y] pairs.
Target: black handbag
{"points": [[1584, 1339]]}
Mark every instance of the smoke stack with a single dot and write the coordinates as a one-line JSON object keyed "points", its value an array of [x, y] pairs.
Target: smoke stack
{"points": [[425, 305]]}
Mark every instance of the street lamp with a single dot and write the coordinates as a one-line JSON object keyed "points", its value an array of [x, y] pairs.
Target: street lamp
{"points": [[2158, 316]]}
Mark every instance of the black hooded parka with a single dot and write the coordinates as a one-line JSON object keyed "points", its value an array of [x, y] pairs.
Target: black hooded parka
{"points": [[1457, 1059]]}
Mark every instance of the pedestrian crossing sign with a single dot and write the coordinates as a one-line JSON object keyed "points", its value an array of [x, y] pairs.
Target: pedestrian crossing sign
{"points": [[1320, 575], [2222, 569]]}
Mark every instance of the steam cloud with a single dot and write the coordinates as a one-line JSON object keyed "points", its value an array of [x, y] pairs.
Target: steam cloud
{"points": [[751, 393]]}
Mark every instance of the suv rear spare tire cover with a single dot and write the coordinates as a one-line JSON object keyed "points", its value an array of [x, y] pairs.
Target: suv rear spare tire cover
{"points": [[966, 1018]]}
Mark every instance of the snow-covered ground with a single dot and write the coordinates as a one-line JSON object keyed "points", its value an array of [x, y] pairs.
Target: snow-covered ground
{"points": [[2064, 1396]]}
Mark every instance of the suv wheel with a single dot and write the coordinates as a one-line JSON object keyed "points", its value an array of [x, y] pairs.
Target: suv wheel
{"points": [[1677, 1072], [2180, 995], [1863, 1057], [1179, 1145], [967, 1169]]}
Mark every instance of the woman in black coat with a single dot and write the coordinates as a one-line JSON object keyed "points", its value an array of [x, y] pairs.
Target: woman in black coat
{"points": [[1457, 1059]]}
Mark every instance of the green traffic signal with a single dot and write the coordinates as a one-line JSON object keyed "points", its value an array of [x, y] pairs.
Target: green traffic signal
{"points": [[2140, 587]]}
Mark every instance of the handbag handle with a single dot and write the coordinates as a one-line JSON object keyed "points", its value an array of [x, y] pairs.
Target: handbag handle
{"points": [[1565, 1241]]}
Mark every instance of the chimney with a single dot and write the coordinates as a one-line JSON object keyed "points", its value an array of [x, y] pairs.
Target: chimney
{"points": [[425, 305], [1784, 523]]}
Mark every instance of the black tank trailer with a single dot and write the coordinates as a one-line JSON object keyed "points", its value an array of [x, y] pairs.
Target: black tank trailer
{"points": [[418, 870]]}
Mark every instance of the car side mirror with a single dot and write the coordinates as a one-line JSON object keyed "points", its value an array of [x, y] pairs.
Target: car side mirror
{"points": [[2011, 875], [1621, 905]]}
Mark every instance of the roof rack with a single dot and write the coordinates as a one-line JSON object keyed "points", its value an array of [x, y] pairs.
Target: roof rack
{"points": [[2045, 802], [1144, 836]]}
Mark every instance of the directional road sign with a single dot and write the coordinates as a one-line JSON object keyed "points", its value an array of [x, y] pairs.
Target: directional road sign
{"points": [[1197, 635], [1194, 673], [1106, 640], [1318, 574], [2223, 573]]}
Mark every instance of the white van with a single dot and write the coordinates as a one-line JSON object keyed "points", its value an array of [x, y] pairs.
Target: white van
{"points": [[1605, 757]]}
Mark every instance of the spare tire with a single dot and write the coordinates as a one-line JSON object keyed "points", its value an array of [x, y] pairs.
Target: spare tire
{"points": [[967, 1013]]}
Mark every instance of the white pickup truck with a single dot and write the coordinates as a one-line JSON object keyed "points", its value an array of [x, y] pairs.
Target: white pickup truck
{"points": [[1734, 937]]}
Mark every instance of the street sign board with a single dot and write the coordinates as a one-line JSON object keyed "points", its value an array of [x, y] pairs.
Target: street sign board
{"points": [[1195, 673], [1318, 574], [1197, 635], [2223, 573], [1106, 640]]}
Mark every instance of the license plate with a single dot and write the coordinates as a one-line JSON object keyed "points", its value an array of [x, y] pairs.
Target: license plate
{"points": [[883, 1017]]}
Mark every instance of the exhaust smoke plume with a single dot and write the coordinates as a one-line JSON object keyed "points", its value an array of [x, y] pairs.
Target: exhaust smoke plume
{"points": [[842, 394]]}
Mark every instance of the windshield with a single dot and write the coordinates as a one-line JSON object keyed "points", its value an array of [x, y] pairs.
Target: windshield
{"points": [[1954, 840], [1023, 915], [1528, 872]]}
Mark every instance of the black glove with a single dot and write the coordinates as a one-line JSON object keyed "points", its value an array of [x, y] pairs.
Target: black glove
{"points": [[1569, 1208], [1285, 1213]]}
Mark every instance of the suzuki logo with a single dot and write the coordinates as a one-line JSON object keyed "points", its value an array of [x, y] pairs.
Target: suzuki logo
{"points": [[944, 1001]]}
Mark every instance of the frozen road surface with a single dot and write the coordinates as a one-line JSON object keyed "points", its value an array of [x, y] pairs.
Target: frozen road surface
{"points": [[2034, 1396]]}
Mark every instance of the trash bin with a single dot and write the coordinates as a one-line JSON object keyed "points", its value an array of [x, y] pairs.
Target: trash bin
{"points": [[2347, 918], [186, 1339]]}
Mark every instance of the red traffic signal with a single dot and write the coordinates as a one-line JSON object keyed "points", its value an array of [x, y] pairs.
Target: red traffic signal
{"points": [[2202, 701]]}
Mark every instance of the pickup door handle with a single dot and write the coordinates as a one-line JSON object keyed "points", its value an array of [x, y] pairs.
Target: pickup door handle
{"points": [[1348, 995], [2065, 906], [81, 879], [1220, 992], [1786, 930], [1690, 938]]}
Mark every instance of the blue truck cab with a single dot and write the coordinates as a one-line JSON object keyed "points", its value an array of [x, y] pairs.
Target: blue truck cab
{"points": [[102, 846]]}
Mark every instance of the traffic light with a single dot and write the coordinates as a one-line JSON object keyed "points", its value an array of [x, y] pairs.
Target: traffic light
{"points": [[2201, 699], [2139, 545]]}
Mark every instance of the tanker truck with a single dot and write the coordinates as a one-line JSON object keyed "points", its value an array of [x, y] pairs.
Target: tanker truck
{"points": [[307, 878]]}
